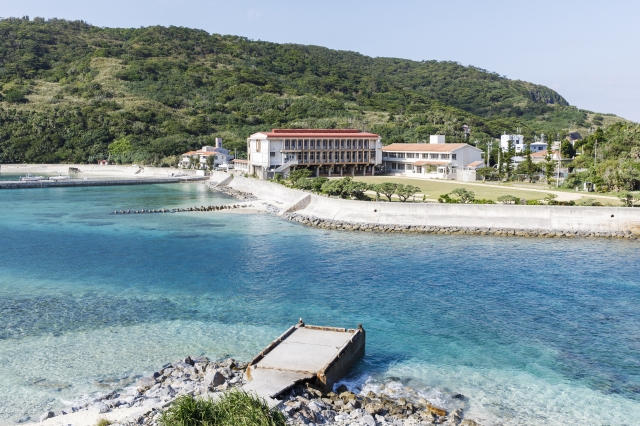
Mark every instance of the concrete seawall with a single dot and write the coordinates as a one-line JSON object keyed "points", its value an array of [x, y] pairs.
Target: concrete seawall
{"points": [[604, 220]]}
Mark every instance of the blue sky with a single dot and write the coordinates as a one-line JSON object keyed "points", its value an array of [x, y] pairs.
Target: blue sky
{"points": [[586, 50]]}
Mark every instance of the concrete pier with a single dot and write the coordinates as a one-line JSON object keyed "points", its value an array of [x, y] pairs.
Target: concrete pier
{"points": [[13, 184], [322, 355]]}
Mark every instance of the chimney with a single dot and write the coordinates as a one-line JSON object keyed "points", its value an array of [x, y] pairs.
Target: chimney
{"points": [[218, 142], [435, 139]]}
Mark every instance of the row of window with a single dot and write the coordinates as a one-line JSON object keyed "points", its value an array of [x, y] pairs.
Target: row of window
{"points": [[327, 144], [344, 156], [431, 156], [418, 169]]}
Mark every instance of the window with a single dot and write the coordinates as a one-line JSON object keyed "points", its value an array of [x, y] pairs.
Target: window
{"points": [[258, 145], [366, 144], [433, 156], [444, 156], [453, 156], [342, 142], [360, 143], [287, 143], [272, 154], [306, 143], [330, 143], [400, 166], [392, 155], [324, 144], [312, 144], [348, 143], [401, 155], [425, 156], [394, 166], [410, 155]]}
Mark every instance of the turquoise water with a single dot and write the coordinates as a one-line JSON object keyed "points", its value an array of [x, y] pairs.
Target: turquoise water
{"points": [[532, 332]]}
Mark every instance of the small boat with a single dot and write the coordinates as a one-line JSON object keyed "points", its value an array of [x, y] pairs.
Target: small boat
{"points": [[31, 178], [59, 177]]}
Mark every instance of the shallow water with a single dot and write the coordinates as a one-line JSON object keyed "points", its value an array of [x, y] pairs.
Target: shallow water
{"points": [[533, 332]]}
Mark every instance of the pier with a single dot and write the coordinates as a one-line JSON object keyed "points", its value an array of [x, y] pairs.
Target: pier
{"points": [[44, 183], [320, 355]]}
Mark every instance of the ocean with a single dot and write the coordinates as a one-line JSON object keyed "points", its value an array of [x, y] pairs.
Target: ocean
{"points": [[530, 331]]}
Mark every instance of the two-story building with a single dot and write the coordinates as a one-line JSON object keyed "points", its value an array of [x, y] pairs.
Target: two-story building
{"points": [[323, 151], [434, 160], [221, 154]]}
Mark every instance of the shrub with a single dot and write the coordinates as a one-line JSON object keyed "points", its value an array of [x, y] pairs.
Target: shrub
{"points": [[234, 408], [508, 199], [591, 202], [446, 198], [103, 422], [15, 96], [483, 201], [533, 202], [464, 195]]}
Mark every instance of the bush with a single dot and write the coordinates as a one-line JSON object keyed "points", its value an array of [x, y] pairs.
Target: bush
{"points": [[483, 201], [15, 96], [508, 199], [446, 198], [234, 408], [533, 202]]}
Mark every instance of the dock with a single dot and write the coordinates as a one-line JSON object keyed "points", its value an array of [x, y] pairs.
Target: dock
{"points": [[14, 184], [305, 353]]}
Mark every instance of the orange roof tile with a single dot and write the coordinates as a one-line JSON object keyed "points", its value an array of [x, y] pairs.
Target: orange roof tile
{"points": [[319, 133]]}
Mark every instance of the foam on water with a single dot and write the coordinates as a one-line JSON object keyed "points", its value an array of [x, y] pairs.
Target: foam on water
{"points": [[529, 331]]}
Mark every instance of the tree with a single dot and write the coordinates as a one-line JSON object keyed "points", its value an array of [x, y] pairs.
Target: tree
{"points": [[507, 158], [120, 146], [507, 199], [628, 199], [297, 174], [567, 150], [387, 189], [528, 167], [406, 191], [463, 195], [210, 161], [485, 172], [357, 190], [15, 96]]}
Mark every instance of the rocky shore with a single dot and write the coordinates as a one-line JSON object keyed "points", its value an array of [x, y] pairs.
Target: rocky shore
{"points": [[143, 402], [451, 230]]}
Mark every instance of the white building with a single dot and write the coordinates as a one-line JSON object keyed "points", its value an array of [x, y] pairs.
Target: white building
{"points": [[434, 160], [222, 155], [538, 147], [324, 151], [241, 166], [516, 140]]}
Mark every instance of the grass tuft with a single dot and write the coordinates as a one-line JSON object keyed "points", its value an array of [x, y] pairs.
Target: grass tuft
{"points": [[103, 422], [234, 408]]}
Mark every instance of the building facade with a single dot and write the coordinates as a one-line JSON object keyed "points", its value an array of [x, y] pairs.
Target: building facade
{"points": [[516, 140], [328, 152], [222, 155], [435, 160]]}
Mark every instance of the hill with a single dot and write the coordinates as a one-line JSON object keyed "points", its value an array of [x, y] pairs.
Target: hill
{"points": [[69, 89]]}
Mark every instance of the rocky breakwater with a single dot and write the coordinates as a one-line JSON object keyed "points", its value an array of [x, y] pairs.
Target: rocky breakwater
{"points": [[243, 196], [451, 230]]}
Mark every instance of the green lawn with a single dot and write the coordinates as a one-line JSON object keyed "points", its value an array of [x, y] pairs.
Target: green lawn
{"points": [[434, 188]]}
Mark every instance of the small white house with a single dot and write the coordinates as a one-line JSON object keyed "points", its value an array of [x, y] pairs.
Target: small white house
{"points": [[222, 155], [435, 160], [241, 166], [516, 140]]}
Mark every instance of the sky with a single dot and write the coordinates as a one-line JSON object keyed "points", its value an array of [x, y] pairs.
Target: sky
{"points": [[586, 50]]}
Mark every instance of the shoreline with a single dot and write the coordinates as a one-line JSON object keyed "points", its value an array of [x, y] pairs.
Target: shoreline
{"points": [[295, 211], [143, 402]]}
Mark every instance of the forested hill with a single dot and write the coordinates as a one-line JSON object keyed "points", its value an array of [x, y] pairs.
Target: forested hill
{"points": [[68, 90]]}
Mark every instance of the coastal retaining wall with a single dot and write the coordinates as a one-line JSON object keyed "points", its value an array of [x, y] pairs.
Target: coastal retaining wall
{"points": [[493, 216]]}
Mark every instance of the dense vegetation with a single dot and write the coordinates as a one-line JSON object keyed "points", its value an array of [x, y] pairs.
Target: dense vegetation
{"points": [[72, 92]]}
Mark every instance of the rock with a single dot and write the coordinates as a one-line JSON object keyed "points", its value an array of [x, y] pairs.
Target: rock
{"points": [[374, 408], [468, 422], [341, 389], [214, 378], [46, 416], [146, 382], [437, 411], [23, 419], [369, 420], [101, 407], [357, 413], [314, 406]]}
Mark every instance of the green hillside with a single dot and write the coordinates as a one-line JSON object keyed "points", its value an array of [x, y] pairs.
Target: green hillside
{"points": [[68, 90]]}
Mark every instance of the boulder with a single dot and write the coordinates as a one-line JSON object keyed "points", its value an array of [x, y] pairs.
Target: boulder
{"points": [[46, 416], [374, 408], [146, 382], [214, 378], [368, 420], [468, 422], [341, 389]]}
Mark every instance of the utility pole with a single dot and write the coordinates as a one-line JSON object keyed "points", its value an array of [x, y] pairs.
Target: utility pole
{"points": [[595, 154], [490, 145]]}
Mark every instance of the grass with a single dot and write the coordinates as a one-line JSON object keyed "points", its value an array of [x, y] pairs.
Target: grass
{"points": [[233, 408], [103, 422], [434, 188]]}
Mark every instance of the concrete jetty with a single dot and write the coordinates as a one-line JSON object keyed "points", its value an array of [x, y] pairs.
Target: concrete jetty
{"points": [[45, 183], [322, 355]]}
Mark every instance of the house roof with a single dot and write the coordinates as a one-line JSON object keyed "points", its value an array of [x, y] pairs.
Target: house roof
{"points": [[317, 133], [425, 147], [475, 164], [206, 153], [239, 161], [539, 154]]}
